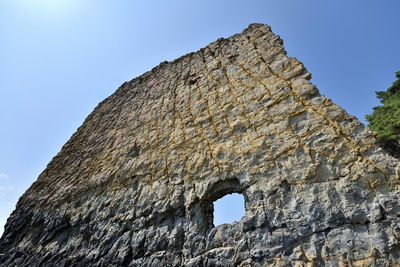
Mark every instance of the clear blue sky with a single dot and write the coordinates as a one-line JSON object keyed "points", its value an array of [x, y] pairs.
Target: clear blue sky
{"points": [[60, 58]]}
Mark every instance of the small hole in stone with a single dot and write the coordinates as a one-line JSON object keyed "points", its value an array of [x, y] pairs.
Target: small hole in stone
{"points": [[221, 155], [192, 82], [134, 151], [228, 209]]}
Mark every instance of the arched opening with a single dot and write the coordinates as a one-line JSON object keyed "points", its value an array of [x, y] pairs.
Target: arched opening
{"points": [[228, 209], [224, 202]]}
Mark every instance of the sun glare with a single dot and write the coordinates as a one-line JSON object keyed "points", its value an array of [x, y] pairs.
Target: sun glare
{"points": [[49, 8]]}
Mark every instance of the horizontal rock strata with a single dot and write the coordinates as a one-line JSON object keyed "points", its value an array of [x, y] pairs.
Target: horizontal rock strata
{"points": [[134, 186]]}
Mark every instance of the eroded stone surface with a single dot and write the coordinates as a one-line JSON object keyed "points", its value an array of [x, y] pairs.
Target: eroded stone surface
{"points": [[135, 184]]}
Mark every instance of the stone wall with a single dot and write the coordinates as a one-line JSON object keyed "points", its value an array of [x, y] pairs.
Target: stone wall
{"points": [[134, 185]]}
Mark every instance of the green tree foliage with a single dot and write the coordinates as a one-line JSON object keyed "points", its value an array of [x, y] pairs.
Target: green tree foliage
{"points": [[385, 119]]}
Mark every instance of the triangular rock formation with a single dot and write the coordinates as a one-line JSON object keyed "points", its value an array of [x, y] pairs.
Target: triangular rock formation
{"points": [[134, 185]]}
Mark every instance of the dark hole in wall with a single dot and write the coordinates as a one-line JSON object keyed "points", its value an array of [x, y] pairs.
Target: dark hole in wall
{"points": [[192, 81], [134, 151]]}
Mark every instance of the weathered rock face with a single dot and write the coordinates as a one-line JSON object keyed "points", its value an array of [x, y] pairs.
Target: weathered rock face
{"points": [[135, 184]]}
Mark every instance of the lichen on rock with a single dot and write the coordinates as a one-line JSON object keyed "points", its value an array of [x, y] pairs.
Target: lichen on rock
{"points": [[134, 185]]}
